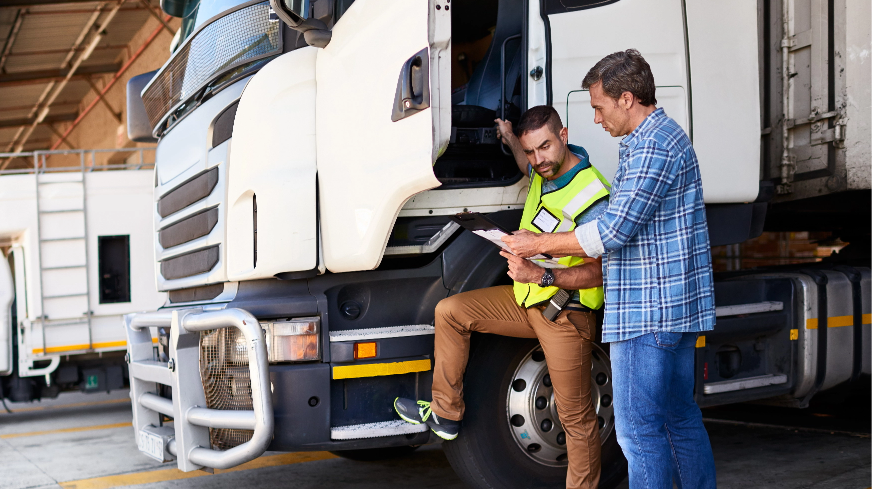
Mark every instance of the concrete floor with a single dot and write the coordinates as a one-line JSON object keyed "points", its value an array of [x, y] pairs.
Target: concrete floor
{"points": [[85, 442]]}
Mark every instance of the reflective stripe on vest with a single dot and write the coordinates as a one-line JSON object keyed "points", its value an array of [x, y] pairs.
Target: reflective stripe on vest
{"points": [[566, 204]]}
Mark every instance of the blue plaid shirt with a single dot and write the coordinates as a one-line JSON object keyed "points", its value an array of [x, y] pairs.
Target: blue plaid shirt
{"points": [[653, 237]]}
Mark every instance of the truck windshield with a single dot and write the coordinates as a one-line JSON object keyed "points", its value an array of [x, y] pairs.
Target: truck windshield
{"points": [[199, 11], [235, 38]]}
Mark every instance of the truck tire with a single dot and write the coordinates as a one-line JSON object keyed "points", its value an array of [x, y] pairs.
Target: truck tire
{"points": [[375, 454], [510, 375]]}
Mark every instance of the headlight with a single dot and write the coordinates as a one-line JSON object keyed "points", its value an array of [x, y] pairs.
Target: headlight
{"points": [[292, 340]]}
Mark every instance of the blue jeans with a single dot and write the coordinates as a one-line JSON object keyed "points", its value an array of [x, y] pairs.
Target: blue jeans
{"points": [[658, 424]]}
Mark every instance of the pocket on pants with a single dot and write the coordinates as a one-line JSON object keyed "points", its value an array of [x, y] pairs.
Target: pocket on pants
{"points": [[583, 322], [666, 339]]}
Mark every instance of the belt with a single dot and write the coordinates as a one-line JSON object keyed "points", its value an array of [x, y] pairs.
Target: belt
{"points": [[577, 306]]}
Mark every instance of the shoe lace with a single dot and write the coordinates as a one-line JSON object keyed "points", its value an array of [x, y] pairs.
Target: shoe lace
{"points": [[424, 410]]}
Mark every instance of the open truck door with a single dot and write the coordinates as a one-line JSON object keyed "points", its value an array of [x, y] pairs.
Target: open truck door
{"points": [[584, 33], [383, 117]]}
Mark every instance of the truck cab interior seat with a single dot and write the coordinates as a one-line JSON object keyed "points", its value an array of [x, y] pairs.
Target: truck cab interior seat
{"points": [[474, 157], [483, 89]]}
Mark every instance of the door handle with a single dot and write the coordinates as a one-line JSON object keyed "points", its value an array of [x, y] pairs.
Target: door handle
{"points": [[413, 86]]}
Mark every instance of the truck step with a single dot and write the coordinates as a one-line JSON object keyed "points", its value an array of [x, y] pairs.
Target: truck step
{"points": [[378, 333], [375, 430], [755, 308], [746, 383]]}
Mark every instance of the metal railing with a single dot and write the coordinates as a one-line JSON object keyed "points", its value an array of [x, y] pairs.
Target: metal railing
{"points": [[87, 161]]}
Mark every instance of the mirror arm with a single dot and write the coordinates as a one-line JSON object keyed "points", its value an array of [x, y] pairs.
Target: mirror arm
{"points": [[314, 31]]}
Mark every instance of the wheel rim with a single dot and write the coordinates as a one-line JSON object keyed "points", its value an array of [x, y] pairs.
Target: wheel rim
{"points": [[532, 413]]}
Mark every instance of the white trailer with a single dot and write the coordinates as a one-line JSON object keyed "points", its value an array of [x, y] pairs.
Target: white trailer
{"points": [[77, 257]]}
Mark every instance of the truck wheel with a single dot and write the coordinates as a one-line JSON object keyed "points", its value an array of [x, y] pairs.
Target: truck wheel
{"points": [[511, 387], [375, 454]]}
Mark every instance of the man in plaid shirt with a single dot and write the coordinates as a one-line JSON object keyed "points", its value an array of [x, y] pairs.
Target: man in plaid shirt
{"points": [[657, 275]]}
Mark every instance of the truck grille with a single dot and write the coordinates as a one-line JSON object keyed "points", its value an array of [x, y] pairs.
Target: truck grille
{"points": [[226, 381], [239, 37], [191, 191]]}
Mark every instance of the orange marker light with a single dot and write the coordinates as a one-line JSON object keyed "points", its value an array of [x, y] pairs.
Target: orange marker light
{"points": [[365, 350]]}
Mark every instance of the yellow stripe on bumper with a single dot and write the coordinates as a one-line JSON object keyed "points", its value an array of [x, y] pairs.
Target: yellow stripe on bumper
{"points": [[95, 346], [837, 321], [379, 369]]}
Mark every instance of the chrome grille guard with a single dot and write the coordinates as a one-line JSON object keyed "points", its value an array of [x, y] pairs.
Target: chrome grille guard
{"points": [[188, 439]]}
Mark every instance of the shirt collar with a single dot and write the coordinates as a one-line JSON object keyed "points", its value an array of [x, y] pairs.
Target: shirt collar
{"points": [[564, 179], [652, 119]]}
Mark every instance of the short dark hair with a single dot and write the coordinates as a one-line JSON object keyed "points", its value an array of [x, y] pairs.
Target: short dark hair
{"points": [[624, 71], [537, 117]]}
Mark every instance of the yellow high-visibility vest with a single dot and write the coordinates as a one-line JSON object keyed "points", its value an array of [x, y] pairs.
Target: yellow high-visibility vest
{"points": [[555, 212]]}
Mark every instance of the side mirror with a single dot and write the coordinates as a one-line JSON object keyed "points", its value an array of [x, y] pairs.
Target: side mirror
{"points": [[295, 13], [178, 8], [292, 12], [138, 126]]}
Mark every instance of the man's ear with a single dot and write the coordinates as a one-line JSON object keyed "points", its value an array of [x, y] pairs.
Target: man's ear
{"points": [[627, 100], [564, 135]]}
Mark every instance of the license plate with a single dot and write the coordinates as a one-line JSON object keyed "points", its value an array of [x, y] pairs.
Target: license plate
{"points": [[151, 445]]}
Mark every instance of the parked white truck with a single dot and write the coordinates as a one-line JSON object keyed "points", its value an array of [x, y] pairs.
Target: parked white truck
{"points": [[76, 258], [310, 155]]}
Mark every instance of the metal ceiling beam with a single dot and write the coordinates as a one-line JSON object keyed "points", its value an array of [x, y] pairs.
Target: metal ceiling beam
{"points": [[35, 3], [43, 104], [78, 10], [159, 15], [48, 120], [114, 79], [116, 115], [110, 47], [15, 108], [45, 76], [76, 64], [59, 135], [10, 39]]}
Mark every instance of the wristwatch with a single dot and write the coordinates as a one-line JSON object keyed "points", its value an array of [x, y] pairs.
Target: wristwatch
{"points": [[547, 278]]}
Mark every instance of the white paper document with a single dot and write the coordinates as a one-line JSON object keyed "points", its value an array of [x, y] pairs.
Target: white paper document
{"points": [[494, 235]]}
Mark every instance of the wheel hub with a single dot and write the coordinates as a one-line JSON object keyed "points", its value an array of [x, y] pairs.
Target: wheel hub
{"points": [[532, 411]]}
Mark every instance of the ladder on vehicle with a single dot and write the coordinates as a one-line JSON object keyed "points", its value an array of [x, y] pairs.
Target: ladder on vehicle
{"points": [[62, 231]]}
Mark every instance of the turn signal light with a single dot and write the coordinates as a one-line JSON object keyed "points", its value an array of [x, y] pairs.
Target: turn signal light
{"points": [[293, 340], [365, 350]]}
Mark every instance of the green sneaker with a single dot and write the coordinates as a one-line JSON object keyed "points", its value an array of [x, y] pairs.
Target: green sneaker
{"points": [[417, 412]]}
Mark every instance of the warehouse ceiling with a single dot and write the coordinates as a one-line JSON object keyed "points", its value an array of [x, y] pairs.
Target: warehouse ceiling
{"points": [[47, 66]]}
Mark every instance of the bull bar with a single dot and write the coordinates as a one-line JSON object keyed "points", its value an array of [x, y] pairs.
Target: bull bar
{"points": [[188, 438]]}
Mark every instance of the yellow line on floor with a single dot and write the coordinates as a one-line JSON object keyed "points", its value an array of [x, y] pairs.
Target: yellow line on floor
{"points": [[67, 430], [176, 474], [60, 406]]}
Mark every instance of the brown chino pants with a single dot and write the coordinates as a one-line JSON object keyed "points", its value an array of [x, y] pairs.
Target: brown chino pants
{"points": [[566, 342]]}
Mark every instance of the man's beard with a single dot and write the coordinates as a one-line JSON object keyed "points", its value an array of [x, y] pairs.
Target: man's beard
{"points": [[554, 169]]}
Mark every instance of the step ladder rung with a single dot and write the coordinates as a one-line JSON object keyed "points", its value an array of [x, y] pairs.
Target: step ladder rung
{"points": [[64, 322], [82, 294], [58, 211], [65, 267], [55, 182], [71, 238]]}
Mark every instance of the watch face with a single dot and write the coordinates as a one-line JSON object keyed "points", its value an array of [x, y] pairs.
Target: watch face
{"points": [[547, 279]]}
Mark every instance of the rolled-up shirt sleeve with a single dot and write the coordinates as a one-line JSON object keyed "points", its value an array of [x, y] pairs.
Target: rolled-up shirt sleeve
{"points": [[588, 237]]}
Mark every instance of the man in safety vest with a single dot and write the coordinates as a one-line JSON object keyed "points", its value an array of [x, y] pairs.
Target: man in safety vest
{"points": [[565, 191]]}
